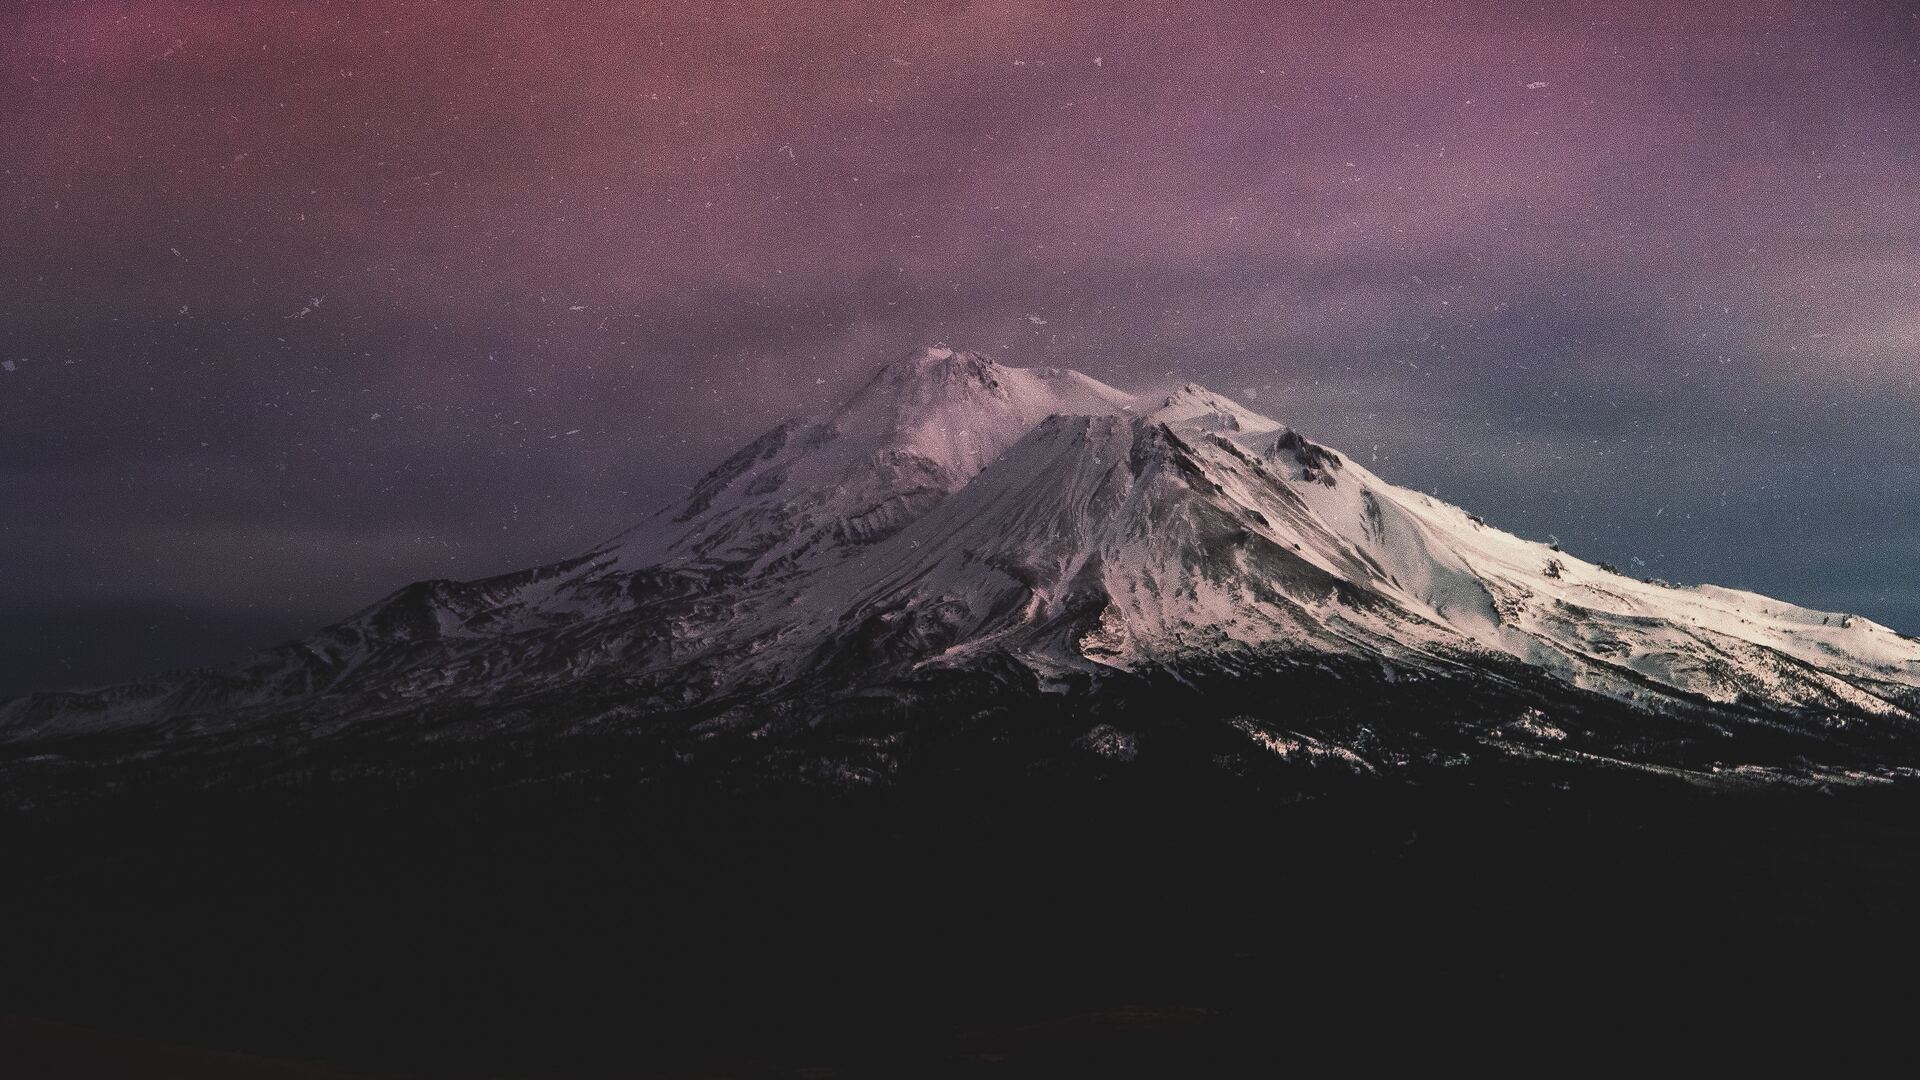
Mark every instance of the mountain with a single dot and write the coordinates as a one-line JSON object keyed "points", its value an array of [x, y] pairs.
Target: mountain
{"points": [[914, 434], [962, 532]]}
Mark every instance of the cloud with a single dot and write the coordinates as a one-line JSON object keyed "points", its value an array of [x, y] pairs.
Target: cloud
{"points": [[1683, 267]]}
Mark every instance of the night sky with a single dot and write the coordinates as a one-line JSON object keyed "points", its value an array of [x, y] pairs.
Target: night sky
{"points": [[302, 301]]}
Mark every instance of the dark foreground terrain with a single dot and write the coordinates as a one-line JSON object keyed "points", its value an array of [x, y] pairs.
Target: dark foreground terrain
{"points": [[565, 908]]}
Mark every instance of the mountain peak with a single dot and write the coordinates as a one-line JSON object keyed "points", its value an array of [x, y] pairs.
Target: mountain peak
{"points": [[1195, 406], [920, 381], [958, 409], [938, 361], [814, 488]]}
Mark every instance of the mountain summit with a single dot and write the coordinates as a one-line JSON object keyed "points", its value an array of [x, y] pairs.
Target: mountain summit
{"points": [[961, 528], [913, 434]]}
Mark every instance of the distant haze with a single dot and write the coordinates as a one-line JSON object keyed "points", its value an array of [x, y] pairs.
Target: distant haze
{"points": [[302, 301]]}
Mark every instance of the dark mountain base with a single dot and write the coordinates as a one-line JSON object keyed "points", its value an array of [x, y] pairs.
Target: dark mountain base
{"points": [[998, 909]]}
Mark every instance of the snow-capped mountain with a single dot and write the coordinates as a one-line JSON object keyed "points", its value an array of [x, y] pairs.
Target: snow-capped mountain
{"points": [[914, 434], [1203, 530], [957, 515]]}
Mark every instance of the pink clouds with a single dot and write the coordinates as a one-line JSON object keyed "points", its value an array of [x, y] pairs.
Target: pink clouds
{"points": [[1375, 209]]}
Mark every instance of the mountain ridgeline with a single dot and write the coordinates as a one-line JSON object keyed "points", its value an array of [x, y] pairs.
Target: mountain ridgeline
{"points": [[963, 536]]}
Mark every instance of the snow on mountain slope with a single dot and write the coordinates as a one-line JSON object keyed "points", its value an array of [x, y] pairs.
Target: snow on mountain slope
{"points": [[1603, 630], [917, 431], [957, 512], [1598, 628], [1206, 530]]}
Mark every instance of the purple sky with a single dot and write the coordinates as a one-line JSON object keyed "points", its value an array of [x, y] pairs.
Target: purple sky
{"points": [[1645, 277]]}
